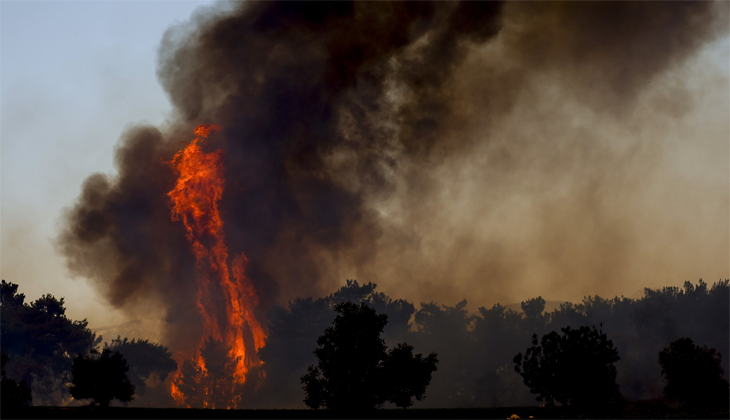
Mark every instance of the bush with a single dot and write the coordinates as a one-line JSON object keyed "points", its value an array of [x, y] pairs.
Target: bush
{"points": [[575, 369], [101, 378], [693, 374], [355, 371]]}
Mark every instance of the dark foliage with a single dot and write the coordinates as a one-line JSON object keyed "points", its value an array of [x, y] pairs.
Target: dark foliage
{"points": [[355, 372], [693, 374], [445, 329], [498, 333], [101, 378], [349, 373], [575, 369], [213, 386], [533, 308], [15, 395], [407, 375], [146, 360], [293, 332], [476, 350], [41, 341]]}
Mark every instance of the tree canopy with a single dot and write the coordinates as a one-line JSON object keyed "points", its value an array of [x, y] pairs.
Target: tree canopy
{"points": [[101, 378], [575, 368], [355, 370], [294, 330], [146, 359], [41, 341], [407, 375], [693, 374]]}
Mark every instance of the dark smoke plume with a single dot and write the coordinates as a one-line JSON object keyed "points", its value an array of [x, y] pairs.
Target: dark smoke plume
{"points": [[330, 111]]}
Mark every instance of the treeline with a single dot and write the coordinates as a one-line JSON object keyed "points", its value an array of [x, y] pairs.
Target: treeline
{"points": [[476, 349], [40, 345]]}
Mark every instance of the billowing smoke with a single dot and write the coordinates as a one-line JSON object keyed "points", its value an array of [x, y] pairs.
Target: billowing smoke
{"points": [[433, 147]]}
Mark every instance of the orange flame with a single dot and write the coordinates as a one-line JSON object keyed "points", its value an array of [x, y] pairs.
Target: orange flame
{"points": [[176, 394], [194, 200]]}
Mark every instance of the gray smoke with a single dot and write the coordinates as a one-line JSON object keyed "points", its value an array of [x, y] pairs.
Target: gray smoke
{"points": [[351, 131]]}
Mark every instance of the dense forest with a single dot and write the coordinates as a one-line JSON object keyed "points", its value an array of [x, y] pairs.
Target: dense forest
{"points": [[475, 350]]}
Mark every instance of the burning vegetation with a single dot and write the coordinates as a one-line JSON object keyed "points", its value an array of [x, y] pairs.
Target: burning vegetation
{"points": [[231, 333], [338, 121]]}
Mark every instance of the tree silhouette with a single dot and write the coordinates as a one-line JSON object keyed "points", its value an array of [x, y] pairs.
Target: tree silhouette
{"points": [[407, 375], [14, 395], [41, 341], [145, 360], [693, 374], [574, 369], [101, 378], [213, 384], [294, 328], [355, 372], [533, 308]]}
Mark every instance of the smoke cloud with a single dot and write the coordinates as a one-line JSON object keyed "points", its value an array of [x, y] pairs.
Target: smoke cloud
{"points": [[440, 149]]}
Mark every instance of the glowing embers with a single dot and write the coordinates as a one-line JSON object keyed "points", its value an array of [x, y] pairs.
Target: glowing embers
{"points": [[227, 350]]}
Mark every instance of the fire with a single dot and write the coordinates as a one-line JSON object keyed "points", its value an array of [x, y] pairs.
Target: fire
{"points": [[194, 200], [176, 394]]}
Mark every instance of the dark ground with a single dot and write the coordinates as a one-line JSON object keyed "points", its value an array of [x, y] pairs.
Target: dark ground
{"points": [[639, 409]]}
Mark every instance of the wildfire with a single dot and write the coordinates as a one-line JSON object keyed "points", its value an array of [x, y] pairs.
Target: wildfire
{"points": [[194, 200]]}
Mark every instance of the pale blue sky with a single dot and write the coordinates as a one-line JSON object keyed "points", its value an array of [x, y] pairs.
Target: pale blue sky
{"points": [[73, 74]]}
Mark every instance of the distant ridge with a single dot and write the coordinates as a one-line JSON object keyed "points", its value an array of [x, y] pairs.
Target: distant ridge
{"points": [[639, 294]]}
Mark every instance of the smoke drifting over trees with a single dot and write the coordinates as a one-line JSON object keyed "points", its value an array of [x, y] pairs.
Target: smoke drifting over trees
{"points": [[437, 148], [476, 351]]}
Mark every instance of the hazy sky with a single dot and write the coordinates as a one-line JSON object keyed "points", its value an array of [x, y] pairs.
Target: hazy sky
{"points": [[74, 74]]}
